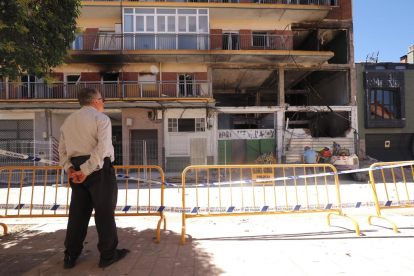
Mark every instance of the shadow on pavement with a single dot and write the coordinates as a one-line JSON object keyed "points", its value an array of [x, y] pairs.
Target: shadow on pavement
{"points": [[40, 251]]}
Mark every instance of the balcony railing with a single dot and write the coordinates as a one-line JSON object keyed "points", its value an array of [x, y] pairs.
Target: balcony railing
{"points": [[108, 42], [289, 2], [69, 90]]}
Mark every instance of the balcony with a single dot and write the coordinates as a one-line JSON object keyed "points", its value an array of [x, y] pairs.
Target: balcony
{"points": [[111, 91], [200, 42], [286, 2], [188, 48], [256, 10]]}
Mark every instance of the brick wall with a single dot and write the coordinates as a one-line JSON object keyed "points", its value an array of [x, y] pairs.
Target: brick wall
{"points": [[200, 76], [89, 38], [216, 39], [169, 89], [246, 40], [90, 76], [342, 12], [285, 42], [129, 76], [58, 89], [58, 76]]}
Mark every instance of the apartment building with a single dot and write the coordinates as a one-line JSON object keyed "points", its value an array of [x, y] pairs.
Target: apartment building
{"points": [[200, 82], [386, 125]]}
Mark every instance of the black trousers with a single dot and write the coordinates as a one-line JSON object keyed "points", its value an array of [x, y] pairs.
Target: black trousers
{"points": [[99, 191]]}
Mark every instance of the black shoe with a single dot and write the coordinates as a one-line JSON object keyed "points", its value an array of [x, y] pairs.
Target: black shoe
{"points": [[69, 262], [119, 255]]}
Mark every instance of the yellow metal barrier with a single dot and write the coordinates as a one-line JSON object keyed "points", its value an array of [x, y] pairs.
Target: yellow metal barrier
{"points": [[40, 189], [299, 192], [392, 191]]}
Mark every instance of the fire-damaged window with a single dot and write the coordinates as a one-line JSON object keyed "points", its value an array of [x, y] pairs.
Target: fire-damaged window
{"points": [[186, 125], [384, 105], [320, 124]]}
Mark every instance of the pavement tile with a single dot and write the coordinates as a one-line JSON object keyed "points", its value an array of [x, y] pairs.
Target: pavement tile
{"points": [[97, 273], [163, 267], [141, 272], [183, 271], [169, 251], [122, 267], [145, 262]]}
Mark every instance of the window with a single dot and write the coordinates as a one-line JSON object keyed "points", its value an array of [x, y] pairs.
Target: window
{"points": [[200, 124], [186, 125], [260, 39], [167, 29], [186, 85], [383, 104]]}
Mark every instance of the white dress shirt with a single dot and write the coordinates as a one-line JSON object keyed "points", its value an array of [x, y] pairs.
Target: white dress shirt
{"points": [[86, 132]]}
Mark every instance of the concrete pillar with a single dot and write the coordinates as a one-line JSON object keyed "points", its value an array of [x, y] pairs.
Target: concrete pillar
{"points": [[281, 86], [280, 133]]}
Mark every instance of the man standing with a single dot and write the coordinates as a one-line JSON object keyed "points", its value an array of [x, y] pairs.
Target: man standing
{"points": [[310, 157], [86, 154]]}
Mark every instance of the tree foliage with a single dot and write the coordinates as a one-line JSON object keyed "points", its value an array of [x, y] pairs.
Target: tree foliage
{"points": [[35, 35]]}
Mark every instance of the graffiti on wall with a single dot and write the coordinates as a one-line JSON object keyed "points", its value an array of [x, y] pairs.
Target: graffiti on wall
{"points": [[246, 134]]}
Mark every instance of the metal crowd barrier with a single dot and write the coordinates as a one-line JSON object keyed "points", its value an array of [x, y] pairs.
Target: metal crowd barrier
{"points": [[393, 194], [40, 198], [290, 196]]}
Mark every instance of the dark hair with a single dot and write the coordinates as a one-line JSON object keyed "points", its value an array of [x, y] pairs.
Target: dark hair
{"points": [[86, 96]]}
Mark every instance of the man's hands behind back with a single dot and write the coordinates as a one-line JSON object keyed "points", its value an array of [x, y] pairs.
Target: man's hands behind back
{"points": [[76, 176]]}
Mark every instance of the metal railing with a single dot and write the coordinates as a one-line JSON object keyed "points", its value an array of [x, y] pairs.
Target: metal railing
{"points": [[126, 89], [229, 198], [111, 42], [38, 198], [392, 188], [288, 2]]}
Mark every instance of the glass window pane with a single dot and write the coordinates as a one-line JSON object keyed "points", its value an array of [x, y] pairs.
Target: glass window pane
{"points": [[187, 11], [150, 23], [164, 11], [372, 96], [171, 23], [379, 96], [128, 23], [202, 11], [182, 24], [372, 111], [128, 10], [192, 24], [386, 97], [202, 24], [161, 23], [139, 24], [142, 11]]}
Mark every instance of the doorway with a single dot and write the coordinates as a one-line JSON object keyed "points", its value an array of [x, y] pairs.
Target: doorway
{"points": [[231, 41], [144, 147], [186, 85]]}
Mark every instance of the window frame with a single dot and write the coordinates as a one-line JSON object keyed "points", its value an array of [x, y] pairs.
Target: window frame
{"points": [[395, 100], [261, 33], [173, 125], [176, 16]]}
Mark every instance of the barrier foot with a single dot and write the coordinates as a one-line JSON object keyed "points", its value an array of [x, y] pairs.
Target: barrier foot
{"points": [[157, 239], [394, 226], [343, 215], [4, 228], [165, 223]]}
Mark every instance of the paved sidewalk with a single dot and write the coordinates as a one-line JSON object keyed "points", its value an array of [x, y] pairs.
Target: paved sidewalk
{"points": [[300, 244]]}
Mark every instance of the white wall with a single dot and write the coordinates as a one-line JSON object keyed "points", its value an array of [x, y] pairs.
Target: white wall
{"points": [[178, 143]]}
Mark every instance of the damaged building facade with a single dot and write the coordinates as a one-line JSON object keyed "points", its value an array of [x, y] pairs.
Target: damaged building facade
{"points": [[386, 128], [203, 82]]}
